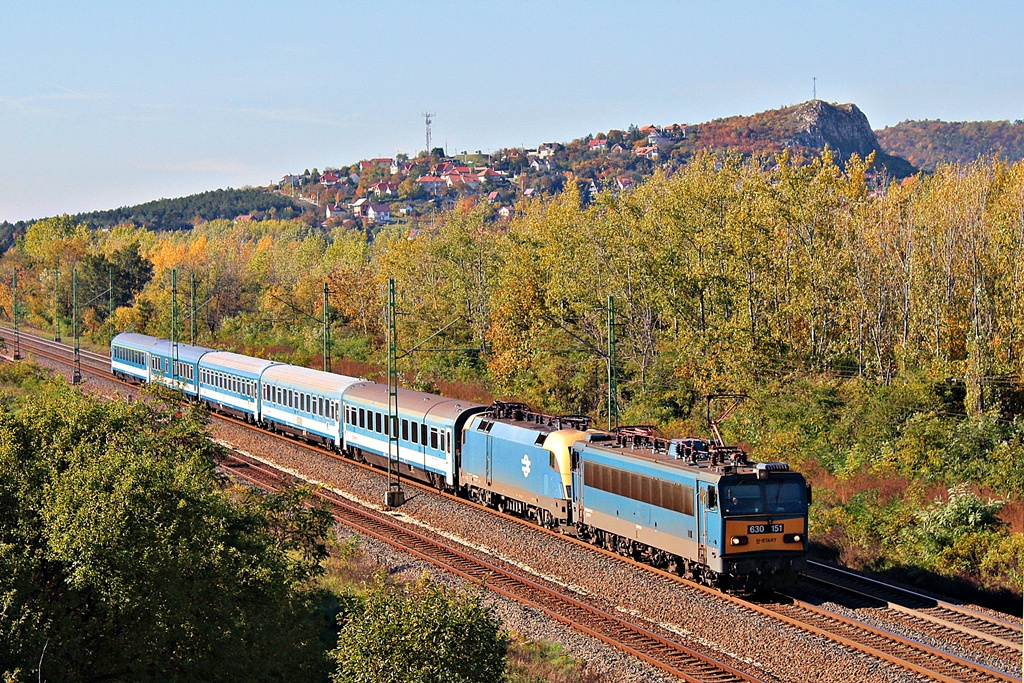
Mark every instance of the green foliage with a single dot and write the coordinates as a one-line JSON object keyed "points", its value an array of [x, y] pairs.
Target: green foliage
{"points": [[181, 213], [121, 557], [421, 633], [945, 523]]}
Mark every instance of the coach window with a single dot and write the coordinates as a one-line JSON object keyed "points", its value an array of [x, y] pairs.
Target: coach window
{"points": [[415, 432], [362, 418], [433, 438], [423, 433], [405, 429]]}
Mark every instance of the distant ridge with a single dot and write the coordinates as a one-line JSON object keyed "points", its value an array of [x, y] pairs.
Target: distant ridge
{"points": [[928, 143]]}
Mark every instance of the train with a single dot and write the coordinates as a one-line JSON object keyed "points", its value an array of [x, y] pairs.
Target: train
{"points": [[692, 506]]}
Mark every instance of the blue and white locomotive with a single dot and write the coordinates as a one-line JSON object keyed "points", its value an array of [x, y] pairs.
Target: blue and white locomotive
{"points": [[689, 505]]}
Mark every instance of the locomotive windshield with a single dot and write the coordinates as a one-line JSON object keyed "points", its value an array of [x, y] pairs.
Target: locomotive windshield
{"points": [[757, 497]]}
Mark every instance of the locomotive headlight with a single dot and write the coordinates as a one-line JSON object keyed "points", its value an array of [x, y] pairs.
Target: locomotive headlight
{"points": [[738, 540], [792, 538]]}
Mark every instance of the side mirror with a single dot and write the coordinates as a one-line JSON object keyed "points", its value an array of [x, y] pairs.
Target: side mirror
{"points": [[712, 498], [810, 498]]}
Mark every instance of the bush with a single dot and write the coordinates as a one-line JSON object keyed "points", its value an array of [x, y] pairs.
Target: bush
{"points": [[422, 633]]}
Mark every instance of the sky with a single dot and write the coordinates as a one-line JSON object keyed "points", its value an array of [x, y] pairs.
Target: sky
{"points": [[106, 104]]}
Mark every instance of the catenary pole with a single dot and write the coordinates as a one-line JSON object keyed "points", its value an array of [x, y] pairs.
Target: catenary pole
{"points": [[395, 496]]}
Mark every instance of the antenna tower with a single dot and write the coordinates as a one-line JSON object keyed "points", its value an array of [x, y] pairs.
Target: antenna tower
{"points": [[814, 86], [426, 119]]}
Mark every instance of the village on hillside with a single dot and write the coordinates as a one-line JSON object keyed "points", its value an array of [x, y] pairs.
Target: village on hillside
{"points": [[385, 190]]}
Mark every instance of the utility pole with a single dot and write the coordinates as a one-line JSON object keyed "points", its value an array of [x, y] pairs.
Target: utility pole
{"points": [[76, 376], [613, 405], [327, 332], [14, 311], [56, 318], [174, 320], [192, 308], [110, 304], [814, 88], [395, 496]]}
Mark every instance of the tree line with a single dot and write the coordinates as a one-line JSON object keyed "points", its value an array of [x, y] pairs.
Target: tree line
{"points": [[893, 313]]}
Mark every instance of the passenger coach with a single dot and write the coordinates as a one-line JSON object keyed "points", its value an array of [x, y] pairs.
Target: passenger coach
{"points": [[229, 382], [151, 359], [429, 430], [304, 402]]}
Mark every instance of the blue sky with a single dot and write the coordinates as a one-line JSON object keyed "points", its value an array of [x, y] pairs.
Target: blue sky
{"points": [[105, 104]]}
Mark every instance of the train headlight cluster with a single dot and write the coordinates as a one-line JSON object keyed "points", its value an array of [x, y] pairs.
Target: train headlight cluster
{"points": [[738, 540], [792, 538]]}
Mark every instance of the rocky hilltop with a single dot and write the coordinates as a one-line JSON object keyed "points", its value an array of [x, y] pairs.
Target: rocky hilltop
{"points": [[804, 129], [843, 127]]}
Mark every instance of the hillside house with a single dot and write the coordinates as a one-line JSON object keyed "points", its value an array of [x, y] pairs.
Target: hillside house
{"points": [[431, 183], [378, 213], [359, 206], [624, 183], [647, 152], [330, 179], [384, 188], [333, 211], [598, 144]]}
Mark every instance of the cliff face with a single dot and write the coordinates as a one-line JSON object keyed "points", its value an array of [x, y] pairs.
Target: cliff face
{"points": [[843, 127]]}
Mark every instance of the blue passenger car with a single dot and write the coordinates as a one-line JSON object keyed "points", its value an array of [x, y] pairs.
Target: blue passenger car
{"points": [[129, 356], [229, 383], [303, 402], [176, 365], [429, 429], [518, 460]]}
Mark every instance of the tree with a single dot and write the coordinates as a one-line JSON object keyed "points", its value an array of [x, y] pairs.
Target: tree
{"points": [[422, 633], [126, 270], [122, 558]]}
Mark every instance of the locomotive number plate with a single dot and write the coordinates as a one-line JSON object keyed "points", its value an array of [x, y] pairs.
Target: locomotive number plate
{"points": [[754, 529]]}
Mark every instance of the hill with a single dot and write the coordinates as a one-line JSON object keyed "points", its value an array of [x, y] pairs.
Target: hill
{"points": [[804, 129], [184, 212], [927, 143]]}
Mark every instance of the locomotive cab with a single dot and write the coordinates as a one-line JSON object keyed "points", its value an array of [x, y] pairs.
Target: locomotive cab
{"points": [[764, 525]]}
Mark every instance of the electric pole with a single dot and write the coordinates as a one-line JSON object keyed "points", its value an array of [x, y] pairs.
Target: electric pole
{"points": [[174, 321], [395, 496], [14, 311], [192, 308], [76, 376], [613, 407], [110, 304], [56, 318], [327, 332]]}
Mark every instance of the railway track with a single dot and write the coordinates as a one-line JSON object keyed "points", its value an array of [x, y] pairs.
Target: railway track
{"points": [[919, 658], [1000, 638], [668, 655]]}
